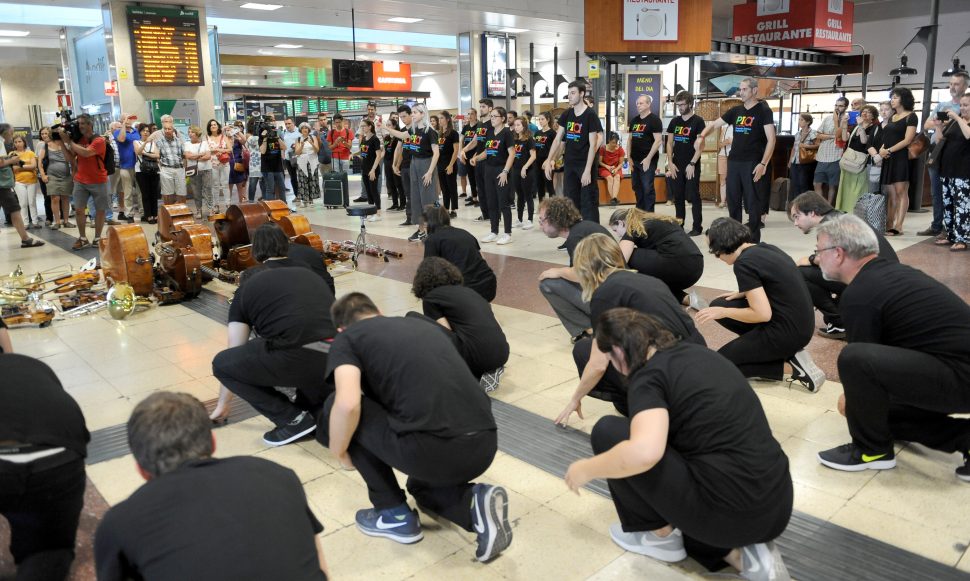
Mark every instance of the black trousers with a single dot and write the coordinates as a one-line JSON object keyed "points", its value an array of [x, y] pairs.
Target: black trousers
{"points": [[822, 291], [895, 393], [612, 386], [741, 190], [370, 187], [42, 501], [524, 189], [394, 187], [677, 272], [643, 187], [801, 176], [150, 186], [761, 349], [449, 188], [48, 212], [406, 189], [471, 171], [586, 198], [689, 190], [291, 170], [669, 493], [497, 198], [439, 469], [543, 185], [252, 370], [482, 198]]}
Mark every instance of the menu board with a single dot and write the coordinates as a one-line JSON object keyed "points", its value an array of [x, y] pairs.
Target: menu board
{"points": [[166, 49]]}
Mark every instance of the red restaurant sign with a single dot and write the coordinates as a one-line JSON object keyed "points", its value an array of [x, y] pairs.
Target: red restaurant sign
{"points": [[390, 77], [821, 24]]}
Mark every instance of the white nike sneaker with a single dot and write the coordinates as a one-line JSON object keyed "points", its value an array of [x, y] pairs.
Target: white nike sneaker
{"points": [[504, 239], [400, 524], [669, 549], [762, 562], [491, 237]]}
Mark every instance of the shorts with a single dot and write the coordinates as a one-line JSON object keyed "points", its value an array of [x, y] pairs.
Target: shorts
{"points": [[828, 172], [97, 191], [172, 181], [59, 186], [9, 202], [462, 170]]}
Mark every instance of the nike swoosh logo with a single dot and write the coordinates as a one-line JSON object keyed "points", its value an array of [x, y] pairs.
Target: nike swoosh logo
{"points": [[868, 458], [479, 521], [754, 564], [385, 526]]}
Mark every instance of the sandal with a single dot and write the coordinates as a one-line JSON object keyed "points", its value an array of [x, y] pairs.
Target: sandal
{"points": [[958, 247], [80, 243], [942, 242], [893, 232], [33, 243]]}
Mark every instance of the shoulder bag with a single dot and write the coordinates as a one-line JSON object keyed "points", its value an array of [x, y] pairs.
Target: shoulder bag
{"points": [[853, 161], [148, 164], [806, 156], [933, 159], [224, 156]]}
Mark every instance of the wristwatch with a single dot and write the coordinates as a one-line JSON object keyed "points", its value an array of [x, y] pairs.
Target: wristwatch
{"points": [[692, 163]]}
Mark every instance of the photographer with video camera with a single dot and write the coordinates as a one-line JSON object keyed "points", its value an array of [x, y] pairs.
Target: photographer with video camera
{"points": [[91, 177], [271, 148], [8, 197]]}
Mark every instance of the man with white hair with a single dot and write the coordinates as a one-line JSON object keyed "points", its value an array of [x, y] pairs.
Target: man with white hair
{"points": [[642, 151], [958, 87], [905, 367], [171, 168]]}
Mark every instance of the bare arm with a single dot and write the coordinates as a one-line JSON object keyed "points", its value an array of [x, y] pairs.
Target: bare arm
{"points": [[594, 371], [345, 414], [5, 345], [757, 311], [713, 126]]}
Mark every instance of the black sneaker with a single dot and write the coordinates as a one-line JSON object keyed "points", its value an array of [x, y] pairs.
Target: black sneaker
{"points": [[480, 219], [406, 223], [929, 232], [470, 202], [462, 195], [561, 247], [416, 237], [453, 214], [963, 472], [300, 426], [695, 232], [122, 217], [830, 331], [490, 519], [804, 371], [579, 337], [849, 458], [360, 200]]}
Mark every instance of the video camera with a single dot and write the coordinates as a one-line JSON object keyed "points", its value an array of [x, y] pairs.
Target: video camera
{"points": [[263, 124], [68, 123]]}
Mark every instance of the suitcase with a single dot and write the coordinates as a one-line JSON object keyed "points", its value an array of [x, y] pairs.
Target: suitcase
{"points": [[336, 192], [779, 195]]}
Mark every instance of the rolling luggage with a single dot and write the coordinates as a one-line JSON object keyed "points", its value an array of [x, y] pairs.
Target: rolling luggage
{"points": [[336, 192]]}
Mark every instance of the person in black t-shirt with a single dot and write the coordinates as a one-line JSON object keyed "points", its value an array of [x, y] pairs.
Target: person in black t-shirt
{"points": [[371, 154], [695, 470], [288, 308], [405, 399], [465, 171], [483, 132], [43, 442], [395, 189], [402, 156], [751, 149], [523, 171], [771, 312], [683, 164], [271, 166], [272, 250], [420, 159], [198, 517], [656, 245], [807, 211], [494, 163], [607, 284], [954, 171], [559, 218], [468, 317], [460, 248], [580, 134], [543, 140], [906, 365], [642, 149], [447, 158]]}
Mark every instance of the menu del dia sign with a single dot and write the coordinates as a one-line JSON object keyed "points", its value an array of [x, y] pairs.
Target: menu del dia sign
{"points": [[166, 48]]}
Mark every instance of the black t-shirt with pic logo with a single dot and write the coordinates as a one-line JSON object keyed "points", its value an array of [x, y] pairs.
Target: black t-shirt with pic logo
{"points": [[522, 149], [446, 148], [685, 137], [468, 134], [648, 295], [482, 342], [483, 131], [390, 144], [667, 238], [717, 425], [642, 132], [577, 130], [272, 160], [766, 266], [497, 147], [422, 142], [460, 248], [749, 139], [416, 374], [368, 152], [542, 142]]}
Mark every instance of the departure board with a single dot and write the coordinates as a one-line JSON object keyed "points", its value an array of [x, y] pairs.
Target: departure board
{"points": [[166, 48]]}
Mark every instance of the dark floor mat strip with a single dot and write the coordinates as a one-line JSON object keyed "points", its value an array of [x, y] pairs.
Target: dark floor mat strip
{"points": [[815, 550], [64, 241]]}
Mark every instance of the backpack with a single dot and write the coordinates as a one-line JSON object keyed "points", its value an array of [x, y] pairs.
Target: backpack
{"points": [[108, 159], [324, 155]]}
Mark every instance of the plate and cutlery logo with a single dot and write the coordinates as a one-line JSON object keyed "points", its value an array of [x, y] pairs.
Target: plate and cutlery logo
{"points": [[650, 19]]}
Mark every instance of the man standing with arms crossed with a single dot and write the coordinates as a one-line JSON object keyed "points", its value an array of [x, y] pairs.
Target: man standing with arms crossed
{"points": [[642, 147], [751, 149], [828, 172], [581, 134]]}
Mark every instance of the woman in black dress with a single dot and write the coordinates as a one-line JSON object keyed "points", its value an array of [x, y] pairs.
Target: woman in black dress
{"points": [[460, 248], [447, 158], [896, 137], [523, 172]]}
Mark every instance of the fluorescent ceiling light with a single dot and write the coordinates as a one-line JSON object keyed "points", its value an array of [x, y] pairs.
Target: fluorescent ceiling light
{"points": [[289, 46], [258, 6], [389, 51], [404, 20], [291, 82], [14, 32], [275, 71], [301, 31], [265, 52], [513, 30]]}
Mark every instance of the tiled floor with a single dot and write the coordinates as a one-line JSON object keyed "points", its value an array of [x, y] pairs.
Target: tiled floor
{"points": [[108, 366]]}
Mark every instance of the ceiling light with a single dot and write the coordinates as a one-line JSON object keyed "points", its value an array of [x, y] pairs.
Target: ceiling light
{"points": [[6, 40], [404, 20], [289, 46], [389, 51], [258, 6], [276, 71], [445, 61], [291, 82], [63, 36], [903, 68], [265, 52], [513, 30], [14, 32]]}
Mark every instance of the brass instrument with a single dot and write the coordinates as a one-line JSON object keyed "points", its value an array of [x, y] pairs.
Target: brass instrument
{"points": [[84, 309], [122, 301]]}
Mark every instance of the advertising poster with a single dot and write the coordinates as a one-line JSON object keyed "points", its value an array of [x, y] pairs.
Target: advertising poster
{"points": [[650, 19], [498, 52], [646, 83]]}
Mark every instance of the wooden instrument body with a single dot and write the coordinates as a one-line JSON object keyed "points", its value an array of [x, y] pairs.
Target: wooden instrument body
{"points": [[241, 257], [125, 257], [198, 238], [185, 268], [239, 224], [275, 209], [172, 218]]}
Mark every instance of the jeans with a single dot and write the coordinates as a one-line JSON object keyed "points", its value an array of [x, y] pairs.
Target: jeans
{"points": [[273, 187], [254, 182], [643, 185], [936, 186], [341, 165]]}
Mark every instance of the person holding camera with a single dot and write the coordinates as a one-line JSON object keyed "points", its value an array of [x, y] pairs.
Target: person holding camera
{"points": [[958, 86], [271, 148], [90, 178], [56, 173], [125, 138], [954, 171], [8, 197]]}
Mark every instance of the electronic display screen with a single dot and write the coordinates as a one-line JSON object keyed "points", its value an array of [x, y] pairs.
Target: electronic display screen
{"points": [[166, 46]]}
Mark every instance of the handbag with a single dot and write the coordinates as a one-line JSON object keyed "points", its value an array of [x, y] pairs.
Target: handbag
{"points": [[853, 161], [806, 156], [224, 156], [918, 146], [933, 159], [148, 164], [872, 208]]}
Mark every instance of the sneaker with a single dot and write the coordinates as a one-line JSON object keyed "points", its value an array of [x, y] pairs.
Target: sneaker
{"points": [[527, 225], [579, 337], [830, 331], [422, 236], [131, 219], [849, 458], [480, 219], [470, 202], [517, 224], [963, 472], [360, 200], [371, 218], [452, 214], [669, 549], [79, 244], [804, 371], [561, 247], [406, 223], [490, 380], [490, 518], [400, 524], [929, 232], [462, 195], [762, 562], [122, 217], [697, 302], [491, 237], [416, 237], [300, 426], [504, 239], [695, 232]]}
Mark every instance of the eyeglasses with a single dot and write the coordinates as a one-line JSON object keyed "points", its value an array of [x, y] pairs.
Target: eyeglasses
{"points": [[497, 116], [821, 250]]}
